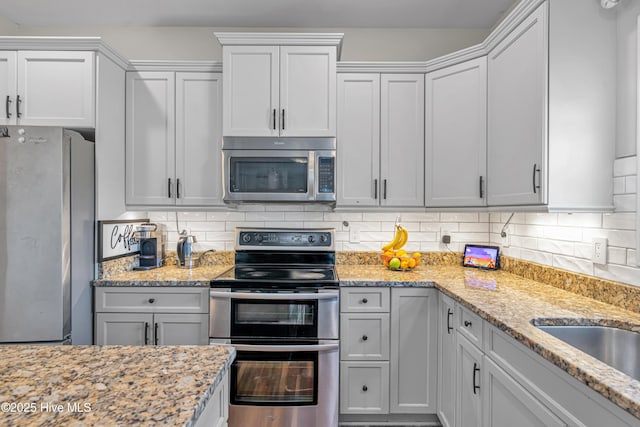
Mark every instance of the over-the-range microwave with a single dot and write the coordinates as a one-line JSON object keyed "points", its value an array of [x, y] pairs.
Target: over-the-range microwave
{"points": [[262, 169]]}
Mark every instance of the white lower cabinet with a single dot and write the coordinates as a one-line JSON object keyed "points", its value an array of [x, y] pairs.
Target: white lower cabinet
{"points": [[446, 388], [216, 412], [388, 345], [162, 316], [468, 383]]}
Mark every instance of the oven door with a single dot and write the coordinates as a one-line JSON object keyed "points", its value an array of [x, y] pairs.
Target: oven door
{"points": [[274, 315], [269, 175], [284, 385]]}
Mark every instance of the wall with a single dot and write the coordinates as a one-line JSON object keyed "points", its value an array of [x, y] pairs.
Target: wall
{"points": [[7, 28], [199, 43], [628, 12]]}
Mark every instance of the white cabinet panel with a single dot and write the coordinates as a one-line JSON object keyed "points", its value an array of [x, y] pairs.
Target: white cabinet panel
{"points": [[364, 387], [251, 87], [468, 383], [181, 329], [56, 88], [198, 138], [8, 87], [364, 336], [446, 361], [365, 300], [123, 328], [402, 139], [517, 125], [456, 135]]}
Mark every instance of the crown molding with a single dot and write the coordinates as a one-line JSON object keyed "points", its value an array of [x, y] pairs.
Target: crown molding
{"points": [[175, 65], [63, 43], [286, 39]]}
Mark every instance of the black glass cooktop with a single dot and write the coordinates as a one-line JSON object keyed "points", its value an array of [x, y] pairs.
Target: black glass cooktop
{"points": [[272, 274]]}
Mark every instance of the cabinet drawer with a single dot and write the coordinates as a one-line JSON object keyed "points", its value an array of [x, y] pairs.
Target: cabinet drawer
{"points": [[470, 325], [364, 387], [152, 300], [364, 336], [358, 300]]}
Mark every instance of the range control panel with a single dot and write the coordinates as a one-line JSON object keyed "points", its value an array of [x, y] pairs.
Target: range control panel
{"points": [[281, 239]]}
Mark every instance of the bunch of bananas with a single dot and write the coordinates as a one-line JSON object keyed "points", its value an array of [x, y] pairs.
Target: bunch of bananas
{"points": [[399, 239]]}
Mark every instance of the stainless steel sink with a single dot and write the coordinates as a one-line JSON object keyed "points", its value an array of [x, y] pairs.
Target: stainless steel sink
{"points": [[618, 348]]}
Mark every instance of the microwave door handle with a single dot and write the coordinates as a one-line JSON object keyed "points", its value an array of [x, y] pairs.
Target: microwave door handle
{"points": [[311, 176], [265, 296], [286, 348]]}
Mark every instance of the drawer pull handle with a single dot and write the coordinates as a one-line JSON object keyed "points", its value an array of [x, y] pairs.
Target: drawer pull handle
{"points": [[146, 333], [467, 323], [449, 316], [364, 300], [152, 300], [155, 333], [364, 338], [365, 388], [475, 370]]}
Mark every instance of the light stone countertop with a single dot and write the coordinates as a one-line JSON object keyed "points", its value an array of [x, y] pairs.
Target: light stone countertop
{"points": [[510, 303], [109, 385], [169, 275]]}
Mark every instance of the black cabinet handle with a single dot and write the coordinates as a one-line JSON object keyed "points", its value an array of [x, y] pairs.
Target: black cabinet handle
{"points": [[283, 119], [146, 333], [364, 338], [467, 323], [449, 316], [274, 119], [152, 300], [18, 102], [7, 106], [365, 388], [178, 188], [481, 187], [364, 300], [475, 370], [169, 188], [156, 334], [385, 190], [535, 169], [375, 188]]}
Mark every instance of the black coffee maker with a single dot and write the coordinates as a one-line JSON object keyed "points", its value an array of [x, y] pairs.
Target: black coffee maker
{"points": [[152, 241]]}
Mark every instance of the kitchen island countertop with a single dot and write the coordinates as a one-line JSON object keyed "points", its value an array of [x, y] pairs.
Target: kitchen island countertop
{"points": [[109, 385], [510, 303]]}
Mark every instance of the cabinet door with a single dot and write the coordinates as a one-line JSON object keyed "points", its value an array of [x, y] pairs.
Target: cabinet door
{"points": [[56, 88], [414, 350], [402, 139], [364, 387], [308, 91], [517, 114], [364, 336], [468, 383], [251, 91], [215, 412], [181, 329], [198, 138], [124, 328], [456, 135], [505, 401], [359, 140], [150, 138], [8, 87], [446, 361]]}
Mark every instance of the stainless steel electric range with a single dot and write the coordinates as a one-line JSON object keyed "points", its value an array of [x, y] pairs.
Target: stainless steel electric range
{"points": [[279, 306]]}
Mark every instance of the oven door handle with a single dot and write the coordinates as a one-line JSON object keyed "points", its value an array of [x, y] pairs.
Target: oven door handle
{"points": [[266, 296], [286, 348]]}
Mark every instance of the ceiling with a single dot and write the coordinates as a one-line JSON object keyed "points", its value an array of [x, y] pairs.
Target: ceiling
{"points": [[258, 13]]}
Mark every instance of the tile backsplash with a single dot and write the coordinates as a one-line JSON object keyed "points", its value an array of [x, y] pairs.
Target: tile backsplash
{"points": [[560, 240]]}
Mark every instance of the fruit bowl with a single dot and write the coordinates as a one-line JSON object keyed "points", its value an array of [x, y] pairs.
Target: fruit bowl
{"points": [[400, 262]]}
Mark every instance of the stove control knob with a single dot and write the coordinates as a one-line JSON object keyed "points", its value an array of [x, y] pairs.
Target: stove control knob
{"points": [[258, 238], [323, 238], [312, 238], [246, 238]]}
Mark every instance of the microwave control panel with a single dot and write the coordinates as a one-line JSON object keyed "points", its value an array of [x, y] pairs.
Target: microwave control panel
{"points": [[326, 174]]}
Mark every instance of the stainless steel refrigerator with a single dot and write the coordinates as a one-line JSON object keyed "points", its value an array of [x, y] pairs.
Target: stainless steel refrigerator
{"points": [[46, 235]]}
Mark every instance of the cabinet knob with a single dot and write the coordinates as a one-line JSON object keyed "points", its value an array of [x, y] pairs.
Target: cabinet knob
{"points": [[364, 338], [467, 323], [152, 300], [364, 300], [365, 388]]}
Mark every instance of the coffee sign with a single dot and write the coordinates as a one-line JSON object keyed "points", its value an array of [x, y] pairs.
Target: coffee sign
{"points": [[116, 238]]}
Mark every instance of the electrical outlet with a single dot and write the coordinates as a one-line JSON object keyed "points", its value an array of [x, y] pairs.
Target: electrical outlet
{"points": [[599, 250], [354, 235], [445, 236]]}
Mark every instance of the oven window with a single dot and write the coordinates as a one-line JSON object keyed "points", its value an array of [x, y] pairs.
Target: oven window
{"points": [[282, 318], [268, 174], [275, 378]]}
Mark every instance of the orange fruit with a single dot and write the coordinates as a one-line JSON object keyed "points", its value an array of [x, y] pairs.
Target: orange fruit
{"points": [[412, 263], [404, 264]]}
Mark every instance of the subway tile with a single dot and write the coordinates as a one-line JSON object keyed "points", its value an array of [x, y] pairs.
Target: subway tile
{"points": [[619, 221], [573, 264], [631, 258], [459, 217], [480, 238], [580, 220], [205, 226], [231, 225], [429, 246], [303, 216], [217, 246], [284, 224], [365, 226], [619, 273], [225, 216], [475, 227], [264, 216], [528, 230], [410, 226], [248, 207], [555, 246], [583, 250], [625, 202], [157, 216], [342, 216], [483, 217], [563, 233], [322, 224], [624, 166], [314, 207], [189, 216], [220, 236], [541, 218], [631, 184], [524, 242], [511, 251], [622, 238], [284, 208], [362, 246], [537, 256], [616, 255]]}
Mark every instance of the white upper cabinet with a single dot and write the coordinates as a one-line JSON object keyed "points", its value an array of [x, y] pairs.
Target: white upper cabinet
{"points": [[380, 139], [279, 91], [456, 135], [551, 109], [48, 88], [173, 138]]}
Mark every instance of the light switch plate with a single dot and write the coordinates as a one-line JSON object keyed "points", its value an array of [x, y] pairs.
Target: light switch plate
{"points": [[354, 234], [599, 250]]}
